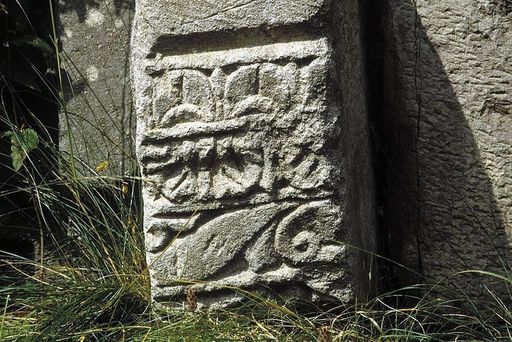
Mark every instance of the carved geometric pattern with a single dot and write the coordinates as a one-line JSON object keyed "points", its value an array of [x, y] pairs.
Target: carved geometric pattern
{"points": [[239, 130], [242, 169]]}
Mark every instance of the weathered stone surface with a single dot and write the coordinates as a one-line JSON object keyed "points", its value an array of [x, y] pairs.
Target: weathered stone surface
{"points": [[207, 16], [95, 39], [168, 19], [449, 89], [254, 153]]}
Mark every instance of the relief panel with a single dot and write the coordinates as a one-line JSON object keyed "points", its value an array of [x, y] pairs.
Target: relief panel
{"points": [[243, 177]]}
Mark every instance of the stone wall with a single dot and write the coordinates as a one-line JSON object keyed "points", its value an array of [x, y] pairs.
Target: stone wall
{"points": [[95, 38], [448, 134]]}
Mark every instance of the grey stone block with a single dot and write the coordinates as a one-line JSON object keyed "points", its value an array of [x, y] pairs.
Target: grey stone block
{"points": [[449, 94], [95, 38], [254, 152]]}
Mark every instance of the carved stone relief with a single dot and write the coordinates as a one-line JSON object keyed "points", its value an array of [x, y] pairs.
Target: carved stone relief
{"points": [[243, 159], [241, 131]]}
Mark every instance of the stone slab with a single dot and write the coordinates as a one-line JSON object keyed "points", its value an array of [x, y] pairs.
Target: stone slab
{"points": [[178, 18], [95, 39], [451, 109], [248, 153]]}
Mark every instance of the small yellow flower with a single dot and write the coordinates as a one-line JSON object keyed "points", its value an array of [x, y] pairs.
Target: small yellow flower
{"points": [[102, 166], [124, 189], [132, 225]]}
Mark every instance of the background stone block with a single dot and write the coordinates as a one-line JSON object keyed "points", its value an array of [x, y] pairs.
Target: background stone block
{"points": [[447, 121], [95, 39]]}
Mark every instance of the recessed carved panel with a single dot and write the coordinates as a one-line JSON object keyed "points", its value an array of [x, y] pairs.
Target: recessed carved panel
{"points": [[243, 177], [247, 132]]}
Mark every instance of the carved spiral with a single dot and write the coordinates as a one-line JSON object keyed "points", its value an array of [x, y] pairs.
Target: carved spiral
{"points": [[301, 236]]}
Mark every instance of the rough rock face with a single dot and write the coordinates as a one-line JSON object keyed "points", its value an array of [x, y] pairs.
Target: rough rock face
{"points": [[95, 39], [448, 85], [252, 136]]}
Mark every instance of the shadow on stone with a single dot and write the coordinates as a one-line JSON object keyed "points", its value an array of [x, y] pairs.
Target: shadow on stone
{"points": [[439, 214], [81, 7]]}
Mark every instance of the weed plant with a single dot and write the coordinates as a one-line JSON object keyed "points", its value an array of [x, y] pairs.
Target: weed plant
{"points": [[88, 280]]}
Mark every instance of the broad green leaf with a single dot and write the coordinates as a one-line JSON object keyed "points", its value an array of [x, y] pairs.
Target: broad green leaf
{"points": [[17, 156], [29, 139], [22, 142]]}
